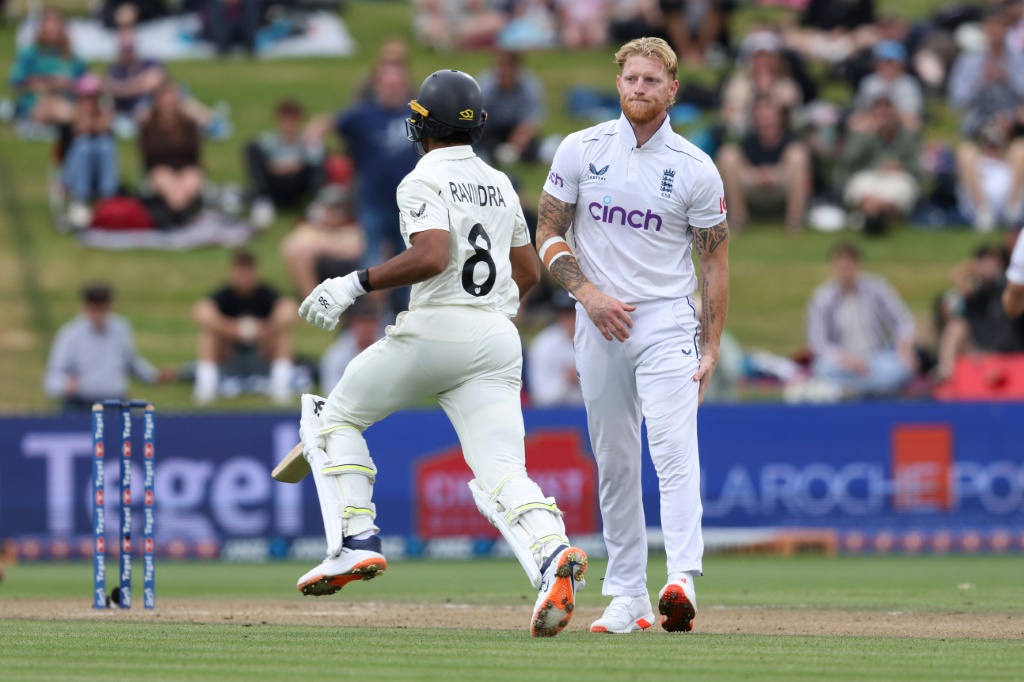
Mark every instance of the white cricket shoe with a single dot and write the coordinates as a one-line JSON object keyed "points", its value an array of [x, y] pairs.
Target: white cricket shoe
{"points": [[625, 615], [677, 603], [561, 575], [359, 560]]}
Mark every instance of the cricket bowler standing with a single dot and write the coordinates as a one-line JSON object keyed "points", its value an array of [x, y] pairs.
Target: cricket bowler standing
{"points": [[469, 261], [635, 198]]}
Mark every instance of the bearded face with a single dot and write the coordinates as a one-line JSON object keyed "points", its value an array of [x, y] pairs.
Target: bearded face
{"points": [[645, 89]]}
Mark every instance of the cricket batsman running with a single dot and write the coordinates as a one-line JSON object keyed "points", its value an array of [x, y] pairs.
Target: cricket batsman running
{"points": [[470, 260], [638, 198]]}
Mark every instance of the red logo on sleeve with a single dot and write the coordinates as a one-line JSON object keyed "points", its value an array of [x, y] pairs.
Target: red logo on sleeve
{"points": [[721, 206]]}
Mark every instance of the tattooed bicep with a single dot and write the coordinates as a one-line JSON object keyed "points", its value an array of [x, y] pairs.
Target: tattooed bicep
{"points": [[554, 214], [706, 240]]}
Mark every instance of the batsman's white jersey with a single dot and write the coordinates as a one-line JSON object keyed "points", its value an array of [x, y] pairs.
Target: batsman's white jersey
{"points": [[636, 210], [453, 190], [456, 343]]}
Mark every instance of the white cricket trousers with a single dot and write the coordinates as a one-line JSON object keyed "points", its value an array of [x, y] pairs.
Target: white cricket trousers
{"points": [[470, 359], [648, 378]]}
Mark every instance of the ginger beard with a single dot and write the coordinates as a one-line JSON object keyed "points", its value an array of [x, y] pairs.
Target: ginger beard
{"points": [[645, 90], [641, 111]]}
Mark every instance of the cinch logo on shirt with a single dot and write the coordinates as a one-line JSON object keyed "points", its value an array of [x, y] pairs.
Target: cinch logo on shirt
{"points": [[597, 173], [556, 179], [476, 194], [616, 214]]}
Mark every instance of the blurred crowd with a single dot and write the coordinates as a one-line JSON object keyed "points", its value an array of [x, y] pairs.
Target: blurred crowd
{"points": [[834, 117]]}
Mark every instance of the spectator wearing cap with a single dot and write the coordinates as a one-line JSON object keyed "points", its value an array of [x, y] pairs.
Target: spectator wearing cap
{"points": [[245, 329], [859, 331], [89, 170], [94, 354], [283, 166], [550, 362], [514, 99], [768, 165], [879, 171], [329, 243], [761, 72], [891, 80], [361, 330]]}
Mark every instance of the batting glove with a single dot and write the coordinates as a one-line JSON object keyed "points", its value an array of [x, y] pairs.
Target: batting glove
{"points": [[328, 301]]}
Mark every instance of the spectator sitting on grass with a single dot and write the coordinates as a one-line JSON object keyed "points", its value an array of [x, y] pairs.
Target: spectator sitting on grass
{"points": [[891, 80], [880, 167], [976, 321], [515, 111], [132, 80], [244, 327], [89, 170], [230, 23], [990, 176], [583, 23], [447, 25], [44, 73], [859, 331], [362, 329], [282, 166], [760, 73], [768, 163], [328, 244], [170, 145], [94, 354], [988, 83]]}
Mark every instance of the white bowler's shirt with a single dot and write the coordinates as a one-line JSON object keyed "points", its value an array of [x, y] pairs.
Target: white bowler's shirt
{"points": [[636, 208], [1015, 273], [451, 189]]}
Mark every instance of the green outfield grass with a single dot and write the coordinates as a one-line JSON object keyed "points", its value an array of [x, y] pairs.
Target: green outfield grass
{"points": [[924, 583], [112, 651], [67, 650], [40, 271]]}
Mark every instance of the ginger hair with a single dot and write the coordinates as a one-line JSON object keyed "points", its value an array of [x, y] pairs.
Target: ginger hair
{"points": [[652, 48]]}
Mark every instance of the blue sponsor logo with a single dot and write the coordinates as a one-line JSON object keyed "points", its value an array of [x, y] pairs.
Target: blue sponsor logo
{"points": [[597, 173]]}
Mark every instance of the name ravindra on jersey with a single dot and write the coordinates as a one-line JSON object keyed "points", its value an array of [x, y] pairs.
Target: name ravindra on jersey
{"points": [[481, 195]]}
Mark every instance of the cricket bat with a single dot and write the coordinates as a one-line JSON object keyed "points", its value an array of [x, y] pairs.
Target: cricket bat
{"points": [[293, 468]]}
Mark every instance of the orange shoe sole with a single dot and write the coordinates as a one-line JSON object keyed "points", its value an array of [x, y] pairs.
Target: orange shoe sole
{"points": [[556, 610], [322, 585], [677, 610]]}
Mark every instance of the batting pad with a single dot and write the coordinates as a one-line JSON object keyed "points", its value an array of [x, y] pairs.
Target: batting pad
{"points": [[349, 467], [530, 523]]}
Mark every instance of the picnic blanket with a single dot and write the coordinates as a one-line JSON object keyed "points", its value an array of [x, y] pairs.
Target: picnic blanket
{"points": [[210, 228]]}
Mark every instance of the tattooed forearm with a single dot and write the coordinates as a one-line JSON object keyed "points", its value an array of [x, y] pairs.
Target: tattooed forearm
{"points": [[708, 240], [553, 220], [713, 247], [567, 271]]}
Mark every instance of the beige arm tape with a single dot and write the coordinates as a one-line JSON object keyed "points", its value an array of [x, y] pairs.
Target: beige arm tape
{"points": [[554, 248]]}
